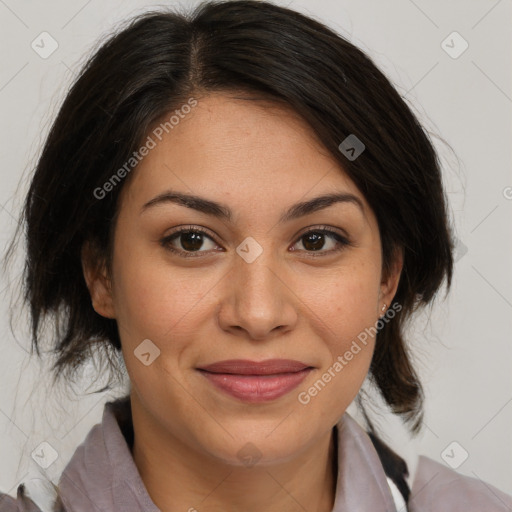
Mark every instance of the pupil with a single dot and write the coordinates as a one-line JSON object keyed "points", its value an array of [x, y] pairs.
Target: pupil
{"points": [[317, 241], [191, 241]]}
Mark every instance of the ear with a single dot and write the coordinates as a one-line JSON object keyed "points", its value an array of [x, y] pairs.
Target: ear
{"points": [[391, 278], [98, 282]]}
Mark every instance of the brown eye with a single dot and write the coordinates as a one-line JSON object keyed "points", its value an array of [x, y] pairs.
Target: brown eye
{"points": [[186, 242], [319, 239], [314, 241], [191, 241]]}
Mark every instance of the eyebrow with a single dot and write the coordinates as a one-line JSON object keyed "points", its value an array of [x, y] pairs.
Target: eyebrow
{"points": [[222, 212]]}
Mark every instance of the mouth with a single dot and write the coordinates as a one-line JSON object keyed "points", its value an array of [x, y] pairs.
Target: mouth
{"points": [[253, 382]]}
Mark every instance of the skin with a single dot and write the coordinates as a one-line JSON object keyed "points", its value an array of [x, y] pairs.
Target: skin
{"points": [[292, 302]]}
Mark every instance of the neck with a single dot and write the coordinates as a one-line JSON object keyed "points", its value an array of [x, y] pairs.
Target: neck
{"points": [[181, 478]]}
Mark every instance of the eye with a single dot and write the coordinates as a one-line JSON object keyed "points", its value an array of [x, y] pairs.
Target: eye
{"points": [[193, 241], [316, 240], [188, 241]]}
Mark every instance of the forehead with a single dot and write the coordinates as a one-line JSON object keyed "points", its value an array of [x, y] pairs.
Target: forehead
{"points": [[237, 147]]}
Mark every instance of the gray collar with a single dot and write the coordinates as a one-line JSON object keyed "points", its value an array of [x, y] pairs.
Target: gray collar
{"points": [[102, 475]]}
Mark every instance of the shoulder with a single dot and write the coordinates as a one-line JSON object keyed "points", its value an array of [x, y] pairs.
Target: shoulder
{"points": [[437, 487], [22, 503]]}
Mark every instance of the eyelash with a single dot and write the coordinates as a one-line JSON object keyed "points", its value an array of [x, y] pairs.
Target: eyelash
{"points": [[325, 230]]}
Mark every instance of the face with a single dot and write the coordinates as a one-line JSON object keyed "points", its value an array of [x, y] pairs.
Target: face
{"points": [[267, 281]]}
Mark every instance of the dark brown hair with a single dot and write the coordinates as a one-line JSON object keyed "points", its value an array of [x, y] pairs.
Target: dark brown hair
{"points": [[152, 66]]}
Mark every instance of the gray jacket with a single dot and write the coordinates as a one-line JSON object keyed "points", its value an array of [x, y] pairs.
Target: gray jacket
{"points": [[102, 476]]}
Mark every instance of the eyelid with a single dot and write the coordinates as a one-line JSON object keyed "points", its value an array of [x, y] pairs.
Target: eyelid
{"points": [[326, 228], [190, 227]]}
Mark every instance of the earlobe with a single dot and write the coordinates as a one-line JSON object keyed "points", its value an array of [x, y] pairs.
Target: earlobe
{"points": [[98, 283]]}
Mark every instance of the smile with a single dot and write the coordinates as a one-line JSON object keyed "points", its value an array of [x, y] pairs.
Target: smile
{"points": [[255, 382]]}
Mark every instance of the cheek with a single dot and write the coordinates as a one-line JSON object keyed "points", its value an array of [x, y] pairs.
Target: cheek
{"points": [[154, 301], [151, 298], [345, 302], [343, 313], [167, 307]]}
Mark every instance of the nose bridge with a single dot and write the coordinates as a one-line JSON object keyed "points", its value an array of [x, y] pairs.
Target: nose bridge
{"points": [[258, 302], [252, 269], [257, 283]]}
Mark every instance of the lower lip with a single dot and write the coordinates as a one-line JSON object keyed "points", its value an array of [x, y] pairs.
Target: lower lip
{"points": [[256, 388]]}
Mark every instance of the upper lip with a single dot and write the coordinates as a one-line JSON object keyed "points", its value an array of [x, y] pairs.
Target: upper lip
{"points": [[246, 367]]}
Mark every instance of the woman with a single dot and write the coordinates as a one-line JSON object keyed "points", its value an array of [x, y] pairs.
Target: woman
{"points": [[242, 205]]}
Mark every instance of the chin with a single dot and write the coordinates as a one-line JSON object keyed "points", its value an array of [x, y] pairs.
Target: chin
{"points": [[257, 442]]}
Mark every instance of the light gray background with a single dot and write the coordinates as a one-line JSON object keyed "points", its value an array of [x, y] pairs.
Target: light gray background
{"points": [[463, 354]]}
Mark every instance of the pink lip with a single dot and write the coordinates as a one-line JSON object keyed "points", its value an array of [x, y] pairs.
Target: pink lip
{"points": [[246, 367], [252, 381]]}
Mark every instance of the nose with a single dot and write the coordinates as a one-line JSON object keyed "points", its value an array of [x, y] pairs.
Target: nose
{"points": [[258, 302]]}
